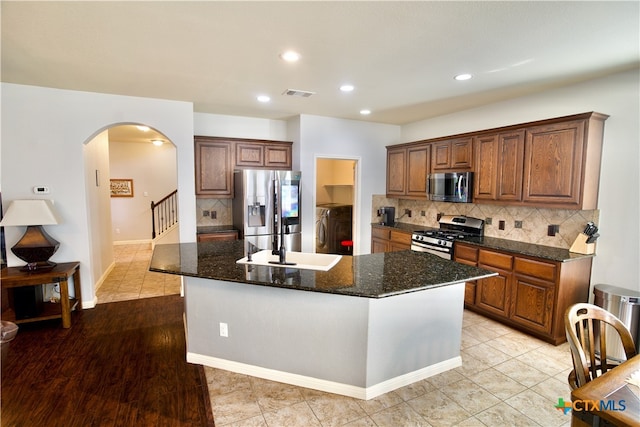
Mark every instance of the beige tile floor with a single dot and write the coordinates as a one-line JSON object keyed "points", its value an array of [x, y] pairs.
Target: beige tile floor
{"points": [[507, 378], [131, 278]]}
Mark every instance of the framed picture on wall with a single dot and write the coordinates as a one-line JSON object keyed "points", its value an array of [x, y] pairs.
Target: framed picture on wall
{"points": [[121, 188]]}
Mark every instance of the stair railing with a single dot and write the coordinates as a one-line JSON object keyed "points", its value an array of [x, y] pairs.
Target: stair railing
{"points": [[164, 214]]}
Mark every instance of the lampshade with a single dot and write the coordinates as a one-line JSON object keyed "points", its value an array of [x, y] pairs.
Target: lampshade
{"points": [[30, 212], [36, 246]]}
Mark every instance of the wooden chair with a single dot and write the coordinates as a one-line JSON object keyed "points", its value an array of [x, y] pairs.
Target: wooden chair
{"points": [[585, 326]]}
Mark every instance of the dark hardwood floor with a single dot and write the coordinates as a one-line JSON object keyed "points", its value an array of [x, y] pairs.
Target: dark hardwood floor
{"points": [[120, 364]]}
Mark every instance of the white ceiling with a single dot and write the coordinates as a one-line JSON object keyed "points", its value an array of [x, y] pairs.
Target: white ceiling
{"points": [[401, 56]]}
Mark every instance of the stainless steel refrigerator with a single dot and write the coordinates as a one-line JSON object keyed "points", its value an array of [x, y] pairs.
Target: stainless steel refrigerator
{"points": [[267, 209]]}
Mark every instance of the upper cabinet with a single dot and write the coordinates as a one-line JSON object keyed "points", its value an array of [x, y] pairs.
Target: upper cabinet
{"points": [[407, 170], [454, 154], [499, 161], [216, 158], [214, 168], [552, 163], [269, 155]]}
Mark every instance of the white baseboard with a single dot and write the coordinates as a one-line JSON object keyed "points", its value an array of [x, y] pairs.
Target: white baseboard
{"points": [[364, 393], [131, 242]]}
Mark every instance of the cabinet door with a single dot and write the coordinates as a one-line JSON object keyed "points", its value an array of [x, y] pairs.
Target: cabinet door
{"points": [[249, 155], [467, 255], [510, 166], [396, 162], [486, 168], [492, 293], [379, 245], [462, 154], [277, 156], [418, 165], [228, 235], [213, 169], [553, 163], [532, 303], [399, 241], [441, 155]]}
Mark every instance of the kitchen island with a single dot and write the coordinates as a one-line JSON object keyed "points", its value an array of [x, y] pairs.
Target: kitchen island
{"points": [[371, 324]]}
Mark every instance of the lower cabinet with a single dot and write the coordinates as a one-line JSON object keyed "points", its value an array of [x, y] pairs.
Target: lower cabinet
{"points": [[225, 235], [385, 239], [529, 293]]}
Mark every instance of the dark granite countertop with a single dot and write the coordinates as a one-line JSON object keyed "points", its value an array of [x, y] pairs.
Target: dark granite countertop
{"points": [[520, 248], [371, 276], [212, 229]]}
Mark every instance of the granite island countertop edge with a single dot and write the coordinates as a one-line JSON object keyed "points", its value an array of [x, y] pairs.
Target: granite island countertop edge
{"points": [[370, 276]]}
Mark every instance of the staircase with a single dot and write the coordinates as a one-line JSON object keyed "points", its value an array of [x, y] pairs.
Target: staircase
{"points": [[164, 215]]}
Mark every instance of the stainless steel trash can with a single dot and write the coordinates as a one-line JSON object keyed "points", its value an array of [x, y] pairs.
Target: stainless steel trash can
{"points": [[625, 305]]}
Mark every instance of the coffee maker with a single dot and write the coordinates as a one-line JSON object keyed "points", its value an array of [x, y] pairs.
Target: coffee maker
{"points": [[388, 214]]}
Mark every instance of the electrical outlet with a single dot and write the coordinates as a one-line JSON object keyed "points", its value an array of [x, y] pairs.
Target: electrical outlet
{"points": [[488, 221], [422, 213], [552, 230], [439, 216], [501, 225], [517, 224], [205, 213], [224, 330], [407, 212], [214, 215]]}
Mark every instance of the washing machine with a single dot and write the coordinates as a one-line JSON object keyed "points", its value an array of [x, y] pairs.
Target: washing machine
{"points": [[334, 223]]}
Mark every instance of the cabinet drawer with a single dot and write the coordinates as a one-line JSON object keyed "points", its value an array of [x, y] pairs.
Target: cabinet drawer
{"points": [[400, 237], [495, 259], [466, 252], [541, 270], [227, 235], [380, 233]]}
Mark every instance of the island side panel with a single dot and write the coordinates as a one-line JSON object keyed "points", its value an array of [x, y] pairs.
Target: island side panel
{"points": [[312, 334], [413, 331]]}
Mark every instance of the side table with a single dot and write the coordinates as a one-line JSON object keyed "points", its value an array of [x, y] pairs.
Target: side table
{"points": [[12, 277]]}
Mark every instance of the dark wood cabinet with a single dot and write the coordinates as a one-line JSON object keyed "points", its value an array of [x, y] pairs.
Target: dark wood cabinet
{"points": [[562, 163], [216, 158], [396, 171], [214, 168], [262, 155], [211, 237], [553, 163], [455, 155], [385, 239], [407, 170], [499, 163], [529, 293]]}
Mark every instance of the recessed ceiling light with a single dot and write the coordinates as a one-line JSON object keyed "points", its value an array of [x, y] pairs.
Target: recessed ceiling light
{"points": [[263, 98], [365, 112], [290, 56], [143, 128], [461, 77], [157, 142], [346, 88]]}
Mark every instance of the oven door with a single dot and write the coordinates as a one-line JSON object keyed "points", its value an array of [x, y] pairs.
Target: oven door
{"points": [[440, 251]]}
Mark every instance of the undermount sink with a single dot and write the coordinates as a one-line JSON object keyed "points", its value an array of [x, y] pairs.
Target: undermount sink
{"points": [[302, 260]]}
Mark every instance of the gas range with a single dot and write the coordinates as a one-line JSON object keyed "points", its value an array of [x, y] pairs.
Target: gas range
{"points": [[440, 241]]}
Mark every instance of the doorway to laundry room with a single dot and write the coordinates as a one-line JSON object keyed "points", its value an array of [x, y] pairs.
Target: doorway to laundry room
{"points": [[336, 192]]}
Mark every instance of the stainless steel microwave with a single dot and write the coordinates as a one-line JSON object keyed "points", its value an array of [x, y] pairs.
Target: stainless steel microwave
{"points": [[454, 187]]}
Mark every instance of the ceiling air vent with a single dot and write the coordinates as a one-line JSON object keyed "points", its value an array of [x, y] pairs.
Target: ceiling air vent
{"points": [[301, 93]]}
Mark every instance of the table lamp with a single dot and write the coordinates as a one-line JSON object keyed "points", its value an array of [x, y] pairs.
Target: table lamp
{"points": [[36, 246]]}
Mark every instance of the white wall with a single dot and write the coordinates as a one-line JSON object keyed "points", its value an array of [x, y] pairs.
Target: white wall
{"points": [[43, 134], [349, 139], [239, 127], [618, 249], [154, 173], [96, 158]]}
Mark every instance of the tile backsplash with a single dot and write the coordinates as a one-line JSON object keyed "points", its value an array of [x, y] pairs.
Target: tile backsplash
{"points": [[207, 209], [535, 221]]}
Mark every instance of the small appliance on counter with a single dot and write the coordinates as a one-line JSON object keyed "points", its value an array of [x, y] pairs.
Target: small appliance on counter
{"points": [[388, 215]]}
